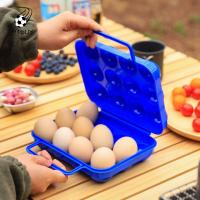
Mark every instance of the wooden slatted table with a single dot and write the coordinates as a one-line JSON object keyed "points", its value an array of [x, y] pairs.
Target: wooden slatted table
{"points": [[173, 163]]}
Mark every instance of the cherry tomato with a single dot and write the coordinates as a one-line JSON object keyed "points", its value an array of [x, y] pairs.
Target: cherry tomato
{"points": [[197, 111], [186, 110], [195, 83], [39, 57], [30, 70], [188, 90], [178, 101], [36, 64], [178, 90], [196, 93], [196, 124], [18, 69]]}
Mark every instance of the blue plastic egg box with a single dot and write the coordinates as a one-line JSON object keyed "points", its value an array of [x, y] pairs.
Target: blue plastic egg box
{"points": [[127, 89]]}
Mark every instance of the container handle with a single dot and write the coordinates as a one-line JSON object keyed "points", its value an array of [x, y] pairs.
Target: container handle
{"points": [[105, 35], [53, 166]]}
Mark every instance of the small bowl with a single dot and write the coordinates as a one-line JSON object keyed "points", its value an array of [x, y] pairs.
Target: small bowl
{"points": [[21, 107]]}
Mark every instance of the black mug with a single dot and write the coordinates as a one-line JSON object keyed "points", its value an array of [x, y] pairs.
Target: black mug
{"points": [[152, 50]]}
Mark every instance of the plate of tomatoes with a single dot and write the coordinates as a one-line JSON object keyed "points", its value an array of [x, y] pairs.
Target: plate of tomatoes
{"points": [[48, 67], [183, 108]]}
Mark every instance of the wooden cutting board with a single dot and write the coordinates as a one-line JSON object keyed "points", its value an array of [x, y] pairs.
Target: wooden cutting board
{"points": [[178, 123], [44, 77]]}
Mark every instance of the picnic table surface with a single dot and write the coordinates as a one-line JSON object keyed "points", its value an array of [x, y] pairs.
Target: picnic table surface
{"points": [[173, 163]]}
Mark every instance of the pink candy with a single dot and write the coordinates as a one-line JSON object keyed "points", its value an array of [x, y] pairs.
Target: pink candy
{"points": [[15, 96]]}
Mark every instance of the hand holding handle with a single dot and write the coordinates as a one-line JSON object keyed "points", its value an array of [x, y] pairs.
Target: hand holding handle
{"points": [[53, 166], [103, 34]]}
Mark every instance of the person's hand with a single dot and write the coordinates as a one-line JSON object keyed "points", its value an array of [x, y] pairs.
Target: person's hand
{"points": [[61, 30], [41, 176]]}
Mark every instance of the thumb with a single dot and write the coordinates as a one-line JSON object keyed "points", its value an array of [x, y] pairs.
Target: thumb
{"points": [[42, 161], [56, 176], [75, 34]]}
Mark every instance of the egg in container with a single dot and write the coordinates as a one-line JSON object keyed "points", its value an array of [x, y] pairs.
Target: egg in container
{"points": [[128, 91]]}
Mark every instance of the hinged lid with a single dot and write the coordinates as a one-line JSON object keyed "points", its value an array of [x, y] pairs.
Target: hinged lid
{"points": [[123, 85]]}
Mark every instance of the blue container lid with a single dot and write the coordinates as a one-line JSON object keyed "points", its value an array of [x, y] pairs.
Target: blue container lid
{"points": [[122, 85]]}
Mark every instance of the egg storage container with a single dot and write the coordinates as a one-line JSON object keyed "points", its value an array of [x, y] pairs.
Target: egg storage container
{"points": [[128, 91]]}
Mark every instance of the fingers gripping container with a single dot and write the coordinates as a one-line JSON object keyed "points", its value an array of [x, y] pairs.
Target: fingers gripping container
{"points": [[128, 92]]}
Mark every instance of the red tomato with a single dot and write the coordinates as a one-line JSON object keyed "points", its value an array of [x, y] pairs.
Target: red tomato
{"points": [[188, 90], [197, 111], [35, 63], [39, 57], [196, 93], [30, 70], [186, 110], [196, 124], [18, 69]]}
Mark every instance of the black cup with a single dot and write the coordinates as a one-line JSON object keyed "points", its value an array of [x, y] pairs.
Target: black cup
{"points": [[152, 50]]}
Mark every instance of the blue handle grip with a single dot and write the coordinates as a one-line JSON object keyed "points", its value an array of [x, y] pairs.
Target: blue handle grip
{"points": [[53, 166], [103, 34]]}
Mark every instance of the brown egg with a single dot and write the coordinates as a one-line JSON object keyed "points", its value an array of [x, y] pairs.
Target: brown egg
{"points": [[82, 127], [124, 148], [101, 136], [65, 118], [89, 110], [81, 148], [63, 137], [103, 158], [45, 128]]}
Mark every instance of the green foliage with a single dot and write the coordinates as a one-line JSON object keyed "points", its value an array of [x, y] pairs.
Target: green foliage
{"points": [[179, 27], [157, 26], [151, 35], [195, 19]]}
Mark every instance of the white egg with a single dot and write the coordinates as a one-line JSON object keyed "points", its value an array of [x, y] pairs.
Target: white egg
{"points": [[45, 128], [82, 127], [63, 137], [65, 118], [81, 148], [103, 158], [89, 110], [124, 148], [101, 136]]}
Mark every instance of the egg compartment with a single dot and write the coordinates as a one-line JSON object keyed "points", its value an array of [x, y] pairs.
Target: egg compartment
{"points": [[119, 129], [130, 98]]}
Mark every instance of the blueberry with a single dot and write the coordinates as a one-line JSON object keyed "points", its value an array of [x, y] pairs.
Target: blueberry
{"points": [[64, 67], [51, 55], [65, 56], [54, 62], [71, 63], [75, 60], [61, 68], [49, 59], [44, 66], [37, 73], [45, 53], [57, 57], [56, 71], [48, 70], [42, 62], [67, 62]]}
